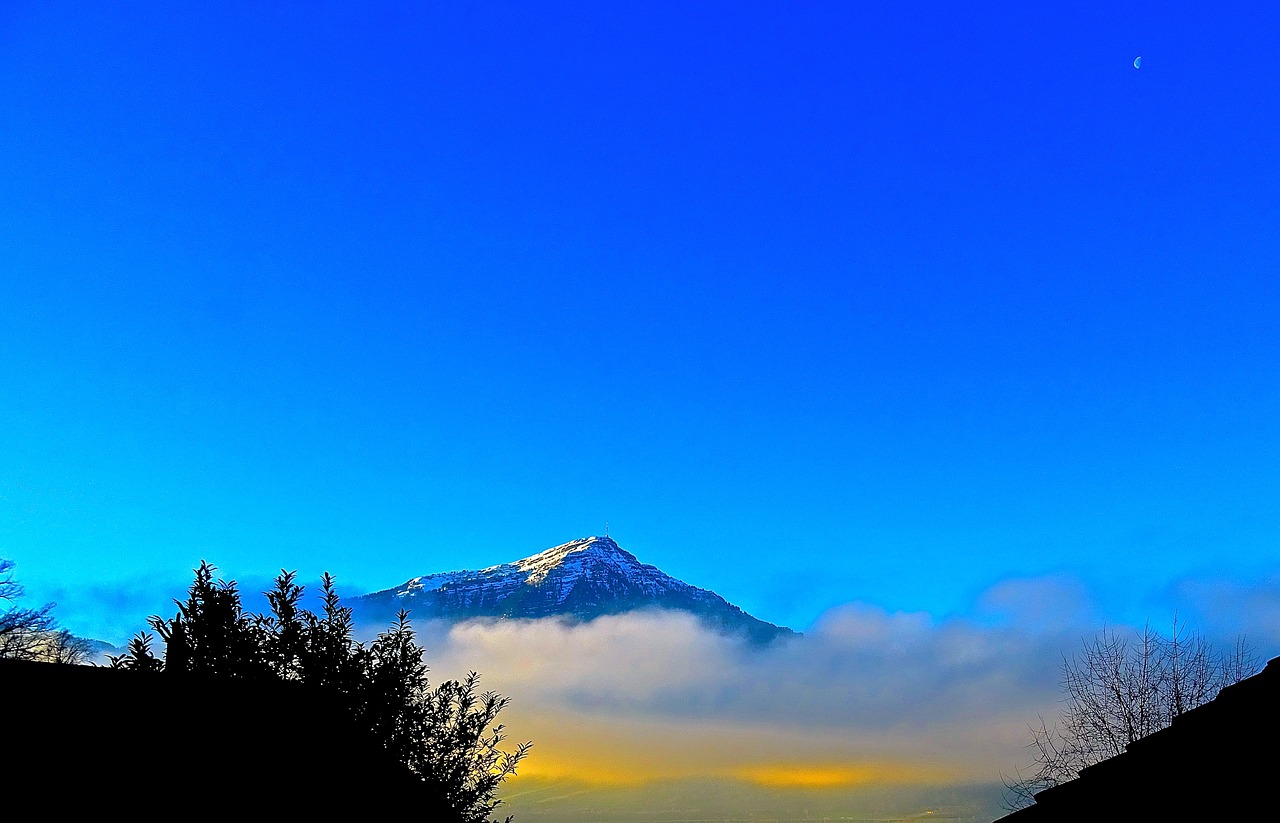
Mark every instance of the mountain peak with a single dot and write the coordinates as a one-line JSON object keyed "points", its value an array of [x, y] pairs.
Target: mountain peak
{"points": [[593, 543], [585, 550], [581, 579]]}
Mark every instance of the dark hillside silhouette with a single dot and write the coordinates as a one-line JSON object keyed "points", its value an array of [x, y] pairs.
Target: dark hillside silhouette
{"points": [[90, 739], [1213, 762]]}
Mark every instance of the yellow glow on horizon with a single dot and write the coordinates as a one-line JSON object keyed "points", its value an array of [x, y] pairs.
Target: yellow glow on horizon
{"points": [[772, 776], [831, 776], [628, 753], [595, 774]]}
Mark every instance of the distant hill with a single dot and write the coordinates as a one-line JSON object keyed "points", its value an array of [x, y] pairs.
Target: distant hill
{"points": [[580, 580], [101, 652]]}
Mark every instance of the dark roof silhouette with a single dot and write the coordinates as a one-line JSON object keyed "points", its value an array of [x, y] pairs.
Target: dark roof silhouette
{"points": [[153, 746], [1216, 762]]}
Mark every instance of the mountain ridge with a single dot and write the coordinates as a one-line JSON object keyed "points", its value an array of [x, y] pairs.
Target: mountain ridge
{"points": [[579, 580]]}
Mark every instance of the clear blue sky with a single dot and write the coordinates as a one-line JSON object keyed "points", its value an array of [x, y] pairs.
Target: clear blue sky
{"points": [[925, 296]]}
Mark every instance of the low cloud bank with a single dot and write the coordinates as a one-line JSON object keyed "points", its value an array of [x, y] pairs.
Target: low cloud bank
{"points": [[864, 696]]}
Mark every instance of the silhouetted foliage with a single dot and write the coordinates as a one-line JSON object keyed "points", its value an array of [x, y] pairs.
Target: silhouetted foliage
{"points": [[138, 655], [284, 630], [33, 634], [446, 735], [212, 634], [1119, 689]]}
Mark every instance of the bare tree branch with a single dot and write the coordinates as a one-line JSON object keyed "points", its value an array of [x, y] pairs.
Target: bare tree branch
{"points": [[1119, 689], [33, 634]]}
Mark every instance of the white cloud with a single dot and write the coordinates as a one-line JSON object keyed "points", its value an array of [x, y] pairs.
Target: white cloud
{"points": [[1041, 603], [1225, 610]]}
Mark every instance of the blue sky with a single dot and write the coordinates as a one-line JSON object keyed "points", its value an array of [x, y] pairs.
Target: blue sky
{"points": [[922, 296], [936, 330]]}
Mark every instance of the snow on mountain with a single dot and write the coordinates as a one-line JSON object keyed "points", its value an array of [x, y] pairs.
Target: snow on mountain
{"points": [[580, 580]]}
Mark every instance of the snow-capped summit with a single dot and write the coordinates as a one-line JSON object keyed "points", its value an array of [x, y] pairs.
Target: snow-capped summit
{"points": [[597, 557], [581, 579]]}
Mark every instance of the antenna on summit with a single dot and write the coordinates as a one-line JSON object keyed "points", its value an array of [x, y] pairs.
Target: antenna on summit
{"points": [[606, 528]]}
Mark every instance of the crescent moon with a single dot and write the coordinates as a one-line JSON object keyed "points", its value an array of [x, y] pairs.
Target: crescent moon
{"points": [[1137, 62]]}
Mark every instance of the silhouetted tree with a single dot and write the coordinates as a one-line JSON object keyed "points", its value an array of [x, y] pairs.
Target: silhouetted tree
{"points": [[331, 658], [212, 634], [459, 754], [446, 735], [137, 656], [33, 634], [394, 689], [1119, 689], [283, 632]]}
